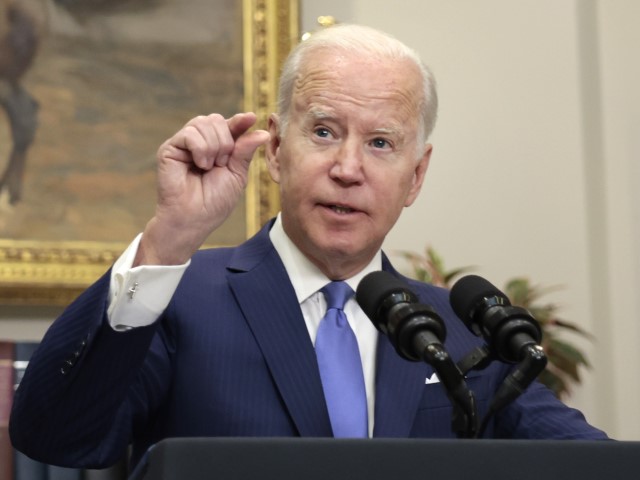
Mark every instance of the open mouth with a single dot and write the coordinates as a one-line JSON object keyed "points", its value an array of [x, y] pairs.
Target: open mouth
{"points": [[341, 210]]}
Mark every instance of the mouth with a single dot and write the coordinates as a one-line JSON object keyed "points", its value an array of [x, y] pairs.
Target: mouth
{"points": [[340, 209]]}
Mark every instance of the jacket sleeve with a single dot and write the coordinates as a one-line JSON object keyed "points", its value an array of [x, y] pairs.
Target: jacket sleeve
{"points": [[81, 391], [539, 414]]}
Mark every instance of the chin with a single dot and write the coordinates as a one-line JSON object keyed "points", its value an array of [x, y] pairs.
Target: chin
{"points": [[347, 247]]}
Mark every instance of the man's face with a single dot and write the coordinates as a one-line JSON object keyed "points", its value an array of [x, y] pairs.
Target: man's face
{"points": [[349, 160]]}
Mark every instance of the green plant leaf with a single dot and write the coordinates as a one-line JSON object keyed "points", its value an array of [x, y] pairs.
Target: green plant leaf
{"points": [[557, 323], [568, 352]]}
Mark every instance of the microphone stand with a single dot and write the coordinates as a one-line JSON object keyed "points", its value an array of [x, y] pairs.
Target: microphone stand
{"points": [[464, 420], [533, 362], [477, 359]]}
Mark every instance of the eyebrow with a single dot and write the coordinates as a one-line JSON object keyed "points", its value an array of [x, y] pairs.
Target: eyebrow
{"points": [[388, 131], [319, 114]]}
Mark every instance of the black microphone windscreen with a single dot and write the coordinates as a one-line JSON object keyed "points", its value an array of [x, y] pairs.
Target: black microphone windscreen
{"points": [[375, 287], [468, 292]]}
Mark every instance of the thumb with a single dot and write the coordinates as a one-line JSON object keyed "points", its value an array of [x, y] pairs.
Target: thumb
{"points": [[247, 145], [240, 123]]}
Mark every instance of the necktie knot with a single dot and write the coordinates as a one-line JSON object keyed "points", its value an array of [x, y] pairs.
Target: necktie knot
{"points": [[336, 294]]}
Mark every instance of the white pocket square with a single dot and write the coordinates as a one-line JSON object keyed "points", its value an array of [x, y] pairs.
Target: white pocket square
{"points": [[432, 379]]}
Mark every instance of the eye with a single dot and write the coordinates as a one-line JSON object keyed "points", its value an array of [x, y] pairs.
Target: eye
{"points": [[322, 132], [380, 143]]}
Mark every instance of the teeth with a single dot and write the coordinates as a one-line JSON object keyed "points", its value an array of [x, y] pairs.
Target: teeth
{"points": [[338, 209]]}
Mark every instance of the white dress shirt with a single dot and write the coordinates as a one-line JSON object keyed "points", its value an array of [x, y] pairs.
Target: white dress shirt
{"points": [[137, 297]]}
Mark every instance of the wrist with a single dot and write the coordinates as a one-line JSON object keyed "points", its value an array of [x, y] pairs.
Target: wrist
{"points": [[164, 246]]}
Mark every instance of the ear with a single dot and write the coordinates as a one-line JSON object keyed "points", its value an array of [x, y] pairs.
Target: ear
{"points": [[273, 147], [418, 175]]}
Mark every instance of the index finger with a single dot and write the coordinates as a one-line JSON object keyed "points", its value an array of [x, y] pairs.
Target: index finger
{"points": [[240, 123]]}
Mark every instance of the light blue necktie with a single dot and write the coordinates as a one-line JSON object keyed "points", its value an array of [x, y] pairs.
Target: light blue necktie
{"points": [[340, 366]]}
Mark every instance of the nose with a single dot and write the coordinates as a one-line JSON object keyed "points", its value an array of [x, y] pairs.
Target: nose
{"points": [[348, 163]]}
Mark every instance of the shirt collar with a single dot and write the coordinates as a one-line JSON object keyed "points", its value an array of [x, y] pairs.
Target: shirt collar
{"points": [[305, 277]]}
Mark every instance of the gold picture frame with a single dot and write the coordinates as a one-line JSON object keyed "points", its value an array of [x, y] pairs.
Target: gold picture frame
{"points": [[53, 273]]}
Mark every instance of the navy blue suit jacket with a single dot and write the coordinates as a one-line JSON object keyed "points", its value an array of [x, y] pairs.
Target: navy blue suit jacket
{"points": [[231, 356]]}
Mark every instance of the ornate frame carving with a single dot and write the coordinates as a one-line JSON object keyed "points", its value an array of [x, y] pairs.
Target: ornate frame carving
{"points": [[53, 273]]}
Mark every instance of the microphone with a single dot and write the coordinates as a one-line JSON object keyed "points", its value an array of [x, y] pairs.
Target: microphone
{"points": [[511, 333], [487, 312], [417, 333], [394, 310]]}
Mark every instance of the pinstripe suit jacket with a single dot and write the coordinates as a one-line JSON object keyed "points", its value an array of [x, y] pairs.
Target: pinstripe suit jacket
{"points": [[231, 356]]}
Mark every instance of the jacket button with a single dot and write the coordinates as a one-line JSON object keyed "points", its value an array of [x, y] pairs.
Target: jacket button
{"points": [[70, 362]]}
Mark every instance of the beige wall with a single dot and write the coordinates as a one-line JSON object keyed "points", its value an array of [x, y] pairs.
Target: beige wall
{"points": [[619, 44], [535, 161]]}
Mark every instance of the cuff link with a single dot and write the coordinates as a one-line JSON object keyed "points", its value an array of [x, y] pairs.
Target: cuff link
{"points": [[132, 290]]}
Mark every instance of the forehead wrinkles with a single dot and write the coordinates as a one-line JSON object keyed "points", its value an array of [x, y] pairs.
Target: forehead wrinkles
{"points": [[320, 86]]}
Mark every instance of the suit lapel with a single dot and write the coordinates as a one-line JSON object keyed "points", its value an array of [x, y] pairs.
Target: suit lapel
{"points": [[399, 387], [263, 290]]}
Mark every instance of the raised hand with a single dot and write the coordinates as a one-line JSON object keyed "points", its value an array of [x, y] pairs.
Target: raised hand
{"points": [[202, 172]]}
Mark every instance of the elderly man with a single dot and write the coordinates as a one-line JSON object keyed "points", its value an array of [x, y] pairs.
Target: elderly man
{"points": [[232, 342]]}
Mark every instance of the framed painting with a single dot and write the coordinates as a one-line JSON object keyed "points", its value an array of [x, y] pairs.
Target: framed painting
{"points": [[89, 89]]}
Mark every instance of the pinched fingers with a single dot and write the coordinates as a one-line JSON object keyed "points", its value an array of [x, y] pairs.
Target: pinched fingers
{"points": [[246, 141], [204, 140]]}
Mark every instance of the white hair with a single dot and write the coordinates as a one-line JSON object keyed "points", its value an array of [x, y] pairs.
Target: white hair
{"points": [[363, 41]]}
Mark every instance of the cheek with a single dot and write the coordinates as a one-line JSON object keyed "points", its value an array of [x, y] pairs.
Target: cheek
{"points": [[295, 187], [302, 172], [393, 187]]}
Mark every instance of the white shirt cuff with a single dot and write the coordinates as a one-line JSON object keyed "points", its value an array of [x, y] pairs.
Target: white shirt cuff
{"points": [[138, 296]]}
